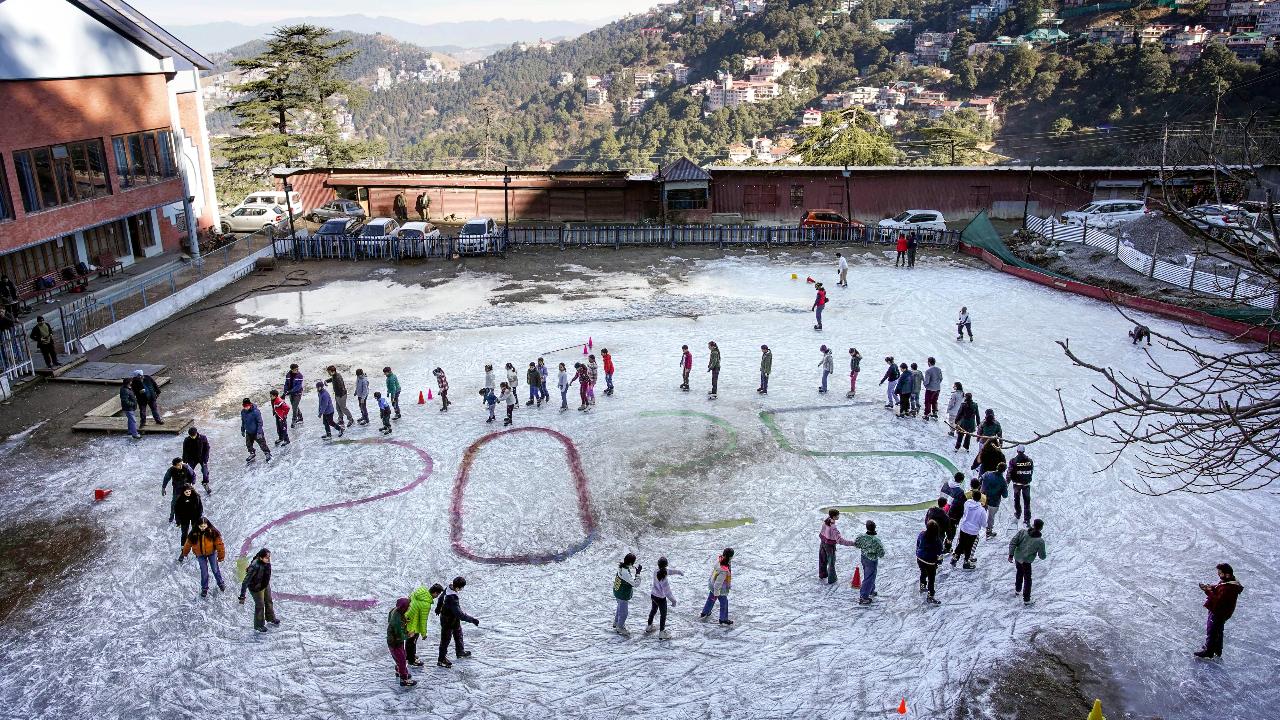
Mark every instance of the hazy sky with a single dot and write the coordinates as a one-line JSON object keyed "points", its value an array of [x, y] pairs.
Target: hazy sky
{"points": [[252, 12]]}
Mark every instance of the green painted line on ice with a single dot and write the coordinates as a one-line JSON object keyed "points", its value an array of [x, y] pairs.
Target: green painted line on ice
{"points": [[702, 462]]}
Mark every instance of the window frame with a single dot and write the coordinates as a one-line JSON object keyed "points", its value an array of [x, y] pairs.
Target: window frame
{"points": [[145, 157], [7, 210], [48, 176]]}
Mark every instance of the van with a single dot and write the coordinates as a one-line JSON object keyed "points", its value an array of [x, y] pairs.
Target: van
{"points": [[276, 197]]}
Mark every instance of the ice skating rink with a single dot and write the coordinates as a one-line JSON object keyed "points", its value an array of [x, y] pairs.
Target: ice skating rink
{"points": [[538, 519]]}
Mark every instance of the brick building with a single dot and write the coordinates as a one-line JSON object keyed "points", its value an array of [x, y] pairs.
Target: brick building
{"points": [[103, 148]]}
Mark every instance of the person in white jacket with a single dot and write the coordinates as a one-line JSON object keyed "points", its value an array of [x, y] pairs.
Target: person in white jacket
{"points": [[971, 525], [490, 382], [828, 366], [964, 324], [563, 383], [508, 397], [624, 584], [953, 407], [659, 595]]}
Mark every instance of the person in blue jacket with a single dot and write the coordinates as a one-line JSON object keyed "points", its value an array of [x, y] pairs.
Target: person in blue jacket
{"points": [[293, 388], [326, 411], [995, 487], [252, 430], [928, 550]]}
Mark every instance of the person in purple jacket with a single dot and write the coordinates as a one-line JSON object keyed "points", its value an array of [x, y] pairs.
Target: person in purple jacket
{"points": [[252, 430], [326, 411]]}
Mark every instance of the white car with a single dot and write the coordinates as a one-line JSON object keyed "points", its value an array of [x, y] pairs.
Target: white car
{"points": [[916, 220], [252, 218], [1107, 213], [382, 228], [418, 231], [1219, 218], [276, 197], [474, 236]]}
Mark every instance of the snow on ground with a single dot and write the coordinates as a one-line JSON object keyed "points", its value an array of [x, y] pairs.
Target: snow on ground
{"points": [[663, 470]]}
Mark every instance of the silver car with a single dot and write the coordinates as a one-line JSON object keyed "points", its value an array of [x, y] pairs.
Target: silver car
{"points": [[252, 218], [477, 235]]}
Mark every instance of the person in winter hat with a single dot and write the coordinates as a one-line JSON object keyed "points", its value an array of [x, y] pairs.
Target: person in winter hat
{"points": [[1220, 601], [659, 595], [345, 418], [451, 618], [280, 411], [624, 585], [766, 367], [195, 453], [508, 398], [995, 488], [855, 366], [384, 412], [180, 475], [928, 555], [1027, 545], [953, 407], [819, 302], [415, 620], [718, 587], [872, 550], [442, 383], [932, 389], [964, 324], [713, 367], [293, 387], [607, 361], [971, 524], [187, 511], [828, 365], [686, 365], [543, 372], [581, 378], [829, 538], [362, 396], [1021, 469], [393, 390], [129, 406], [147, 390], [325, 409], [562, 383], [257, 581], [252, 429], [891, 376], [396, 637], [532, 378], [206, 543]]}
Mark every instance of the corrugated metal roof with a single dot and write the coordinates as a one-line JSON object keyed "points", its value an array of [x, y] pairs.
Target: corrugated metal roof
{"points": [[960, 168], [684, 170]]}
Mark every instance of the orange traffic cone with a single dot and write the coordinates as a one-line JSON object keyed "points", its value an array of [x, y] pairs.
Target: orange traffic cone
{"points": [[809, 280], [902, 707], [429, 394], [99, 494], [856, 582], [584, 349], [421, 400]]}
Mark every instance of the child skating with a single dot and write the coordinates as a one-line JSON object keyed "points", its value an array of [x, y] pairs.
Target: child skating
{"points": [[580, 377], [718, 587], [593, 375], [659, 596], [828, 365], [508, 397], [532, 378], [607, 360], [489, 400], [624, 584], [686, 365], [384, 412], [855, 366], [713, 367], [443, 383], [562, 383]]}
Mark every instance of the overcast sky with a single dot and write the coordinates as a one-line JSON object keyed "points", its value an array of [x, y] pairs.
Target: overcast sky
{"points": [[252, 12]]}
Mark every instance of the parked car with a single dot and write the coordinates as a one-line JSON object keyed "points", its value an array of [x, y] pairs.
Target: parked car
{"points": [[382, 228], [915, 220], [337, 209], [1219, 219], [1106, 213], [340, 227], [827, 218], [252, 218], [276, 197], [418, 231], [476, 234]]}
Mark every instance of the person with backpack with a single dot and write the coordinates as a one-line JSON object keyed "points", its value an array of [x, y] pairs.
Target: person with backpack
{"points": [[624, 584], [451, 619], [855, 365], [829, 538], [1220, 601], [659, 595], [718, 587], [872, 550], [293, 388], [1020, 470], [966, 421], [252, 429], [1024, 548], [393, 390], [257, 581], [129, 406], [415, 620], [205, 542], [994, 487], [280, 411], [928, 553], [891, 376], [766, 367], [971, 524], [362, 396], [819, 302], [195, 453], [828, 365]]}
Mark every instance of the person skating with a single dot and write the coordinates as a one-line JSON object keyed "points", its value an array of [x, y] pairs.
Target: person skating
{"points": [[490, 400], [659, 596], [1027, 545], [828, 365], [593, 375], [384, 412], [442, 383], [187, 511], [938, 514], [147, 391], [971, 525], [624, 584], [901, 247], [855, 366], [129, 406], [180, 475], [713, 367], [994, 488], [531, 377], [1020, 470], [325, 410], [580, 377], [819, 302], [928, 554], [1140, 333], [718, 587], [490, 382], [280, 411], [257, 581], [393, 390], [415, 620], [964, 324], [872, 550], [989, 457], [607, 361], [932, 389], [891, 376], [1220, 601], [195, 453], [904, 388], [686, 365], [46, 342], [954, 490], [766, 367], [252, 429], [293, 387], [451, 619], [396, 637], [829, 538], [362, 396], [562, 383], [343, 413], [917, 384], [990, 428], [966, 421], [205, 542], [953, 407], [509, 400], [543, 372], [842, 269], [513, 380], [912, 243]]}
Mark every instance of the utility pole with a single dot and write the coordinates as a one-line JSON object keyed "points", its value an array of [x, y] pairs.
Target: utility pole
{"points": [[1026, 199], [1213, 136], [953, 151]]}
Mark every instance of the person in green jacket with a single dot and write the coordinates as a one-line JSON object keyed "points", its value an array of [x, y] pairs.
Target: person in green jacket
{"points": [[872, 550], [396, 637], [393, 390], [415, 620], [713, 367], [766, 367], [1024, 548]]}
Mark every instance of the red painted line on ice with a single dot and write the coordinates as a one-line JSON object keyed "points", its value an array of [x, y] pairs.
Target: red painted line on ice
{"points": [[328, 600], [585, 515]]}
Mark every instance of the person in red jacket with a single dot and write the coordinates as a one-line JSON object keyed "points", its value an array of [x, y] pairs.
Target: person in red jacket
{"points": [[1220, 601], [686, 364], [280, 411], [608, 370], [819, 302], [902, 250]]}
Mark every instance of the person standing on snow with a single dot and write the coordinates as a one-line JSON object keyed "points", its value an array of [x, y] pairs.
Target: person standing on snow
{"points": [[994, 487], [966, 421], [872, 550], [659, 595], [607, 360], [718, 587], [280, 411], [989, 457], [362, 396], [928, 554], [384, 412], [542, 379], [206, 543], [490, 382], [508, 397], [393, 390], [562, 383], [1024, 548], [855, 365], [953, 407], [624, 584], [842, 267], [819, 303], [451, 619], [1020, 470], [1220, 601], [129, 406], [513, 381], [766, 367], [580, 377], [953, 489], [686, 365], [963, 324], [325, 410], [938, 514], [904, 388], [531, 377], [180, 475], [912, 243], [990, 428], [293, 388], [257, 581], [187, 511], [713, 367], [971, 524], [195, 453], [396, 637], [345, 418], [828, 538], [901, 248], [828, 365], [891, 376], [415, 620], [593, 376], [442, 383], [252, 429], [932, 389]]}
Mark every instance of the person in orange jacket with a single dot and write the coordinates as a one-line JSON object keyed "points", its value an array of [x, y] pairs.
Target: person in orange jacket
{"points": [[608, 370], [205, 542]]}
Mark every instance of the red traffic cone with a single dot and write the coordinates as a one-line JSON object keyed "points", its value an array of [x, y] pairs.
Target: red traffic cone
{"points": [[584, 349], [856, 582], [902, 707], [590, 342], [421, 400], [428, 394], [809, 280], [99, 494]]}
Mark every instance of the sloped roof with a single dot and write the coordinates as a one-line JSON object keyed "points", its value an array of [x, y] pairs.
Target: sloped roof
{"points": [[126, 20], [684, 170]]}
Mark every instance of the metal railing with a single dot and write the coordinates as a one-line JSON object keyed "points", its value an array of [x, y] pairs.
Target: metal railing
{"points": [[328, 247], [15, 355]]}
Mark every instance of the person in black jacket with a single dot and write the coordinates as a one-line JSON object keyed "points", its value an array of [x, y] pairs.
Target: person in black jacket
{"points": [[938, 514], [257, 580], [195, 453], [180, 475], [187, 511], [966, 421], [451, 618], [147, 391], [891, 376], [1020, 469]]}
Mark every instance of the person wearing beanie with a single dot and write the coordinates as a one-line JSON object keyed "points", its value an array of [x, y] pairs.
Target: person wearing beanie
{"points": [[396, 637], [872, 550], [828, 366], [415, 620], [1020, 469], [451, 618], [1024, 548], [855, 365], [1220, 601]]}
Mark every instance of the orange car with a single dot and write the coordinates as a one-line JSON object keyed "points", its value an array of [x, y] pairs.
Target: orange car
{"points": [[827, 218]]}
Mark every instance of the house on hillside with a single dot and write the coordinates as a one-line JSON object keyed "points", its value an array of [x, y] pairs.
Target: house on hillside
{"points": [[984, 106], [597, 97], [592, 80], [933, 48], [651, 32], [1041, 37], [564, 79], [1248, 47], [810, 118], [887, 117], [890, 25], [739, 153], [679, 72], [706, 16], [986, 11]]}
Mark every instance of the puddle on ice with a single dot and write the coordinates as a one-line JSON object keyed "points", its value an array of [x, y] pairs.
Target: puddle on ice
{"points": [[356, 301]]}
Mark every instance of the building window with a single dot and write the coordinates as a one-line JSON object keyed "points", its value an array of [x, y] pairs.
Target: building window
{"points": [[37, 260], [106, 239], [687, 199], [144, 158], [6, 202], [797, 196], [60, 174]]}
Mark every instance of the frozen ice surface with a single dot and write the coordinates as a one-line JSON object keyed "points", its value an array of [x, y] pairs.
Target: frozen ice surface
{"points": [[132, 638]]}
